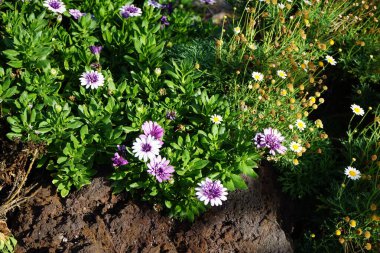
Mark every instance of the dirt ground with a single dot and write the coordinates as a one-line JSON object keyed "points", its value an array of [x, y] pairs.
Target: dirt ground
{"points": [[93, 220]]}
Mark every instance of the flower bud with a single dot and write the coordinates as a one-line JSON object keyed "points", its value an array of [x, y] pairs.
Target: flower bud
{"points": [[157, 71]]}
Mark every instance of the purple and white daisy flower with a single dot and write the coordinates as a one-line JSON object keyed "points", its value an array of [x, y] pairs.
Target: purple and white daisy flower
{"points": [[146, 147], [55, 6], [208, 2], [76, 13], [272, 139], [154, 4], [153, 129], [118, 160], [92, 79], [211, 191], [96, 49], [160, 168], [130, 11]]}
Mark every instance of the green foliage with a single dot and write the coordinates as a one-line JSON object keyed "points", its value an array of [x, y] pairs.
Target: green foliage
{"points": [[7, 245]]}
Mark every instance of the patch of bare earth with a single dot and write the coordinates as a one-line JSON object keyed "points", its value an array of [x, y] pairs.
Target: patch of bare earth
{"points": [[93, 220]]}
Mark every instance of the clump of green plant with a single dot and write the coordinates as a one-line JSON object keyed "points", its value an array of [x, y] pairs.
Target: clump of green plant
{"points": [[353, 204], [7, 243]]}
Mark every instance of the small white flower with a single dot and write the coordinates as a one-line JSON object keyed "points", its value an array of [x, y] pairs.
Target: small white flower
{"points": [[252, 46], [330, 60], [281, 6], [216, 119], [352, 173], [257, 76], [307, 2], [295, 147], [282, 74], [357, 110], [92, 79], [290, 126], [237, 30], [300, 124]]}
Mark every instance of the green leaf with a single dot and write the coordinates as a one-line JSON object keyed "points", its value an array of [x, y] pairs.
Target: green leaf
{"points": [[15, 64], [247, 170], [74, 125], [214, 130], [238, 182], [11, 53], [61, 159], [129, 129], [168, 204], [200, 164]]}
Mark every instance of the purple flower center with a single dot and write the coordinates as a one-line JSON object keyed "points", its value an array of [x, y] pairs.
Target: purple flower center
{"points": [[272, 141], [212, 191], [92, 77], [55, 4], [146, 147]]}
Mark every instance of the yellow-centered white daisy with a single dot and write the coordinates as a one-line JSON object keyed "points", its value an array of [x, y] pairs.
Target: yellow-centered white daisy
{"points": [[352, 173], [257, 76], [357, 110], [282, 74], [330, 60], [300, 124], [295, 147], [252, 46], [237, 30], [216, 119]]}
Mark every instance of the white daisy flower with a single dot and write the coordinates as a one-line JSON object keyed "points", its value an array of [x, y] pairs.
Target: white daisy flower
{"points": [[330, 60], [55, 6], [357, 110], [92, 79], [216, 119], [300, 124], [146, 147], [252, 46], [237, 30], [352, 173], [281, 6], [257, 76], [295, 147], [282, 74]]}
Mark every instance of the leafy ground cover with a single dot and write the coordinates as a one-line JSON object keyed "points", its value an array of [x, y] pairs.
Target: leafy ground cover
{"points": [[175, 109]]}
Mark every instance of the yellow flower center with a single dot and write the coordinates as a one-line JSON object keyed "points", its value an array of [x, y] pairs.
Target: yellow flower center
{"points": [[352, 173], [216, 119], [295, 147]]}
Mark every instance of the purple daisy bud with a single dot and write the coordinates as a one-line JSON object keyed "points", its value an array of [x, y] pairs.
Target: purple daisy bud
{"points": [[168, 7], [164, 21], [92, 79], [211, 191], [272, 139], [76, 13], [96, 49], [130, 11], [153, 129], [208, 2], [118, 160], [171, 115], [154, 4], [55, 6], [160, 168]]}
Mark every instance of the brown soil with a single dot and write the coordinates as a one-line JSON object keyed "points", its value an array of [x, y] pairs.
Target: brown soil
{"points": [[93, 220]]}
